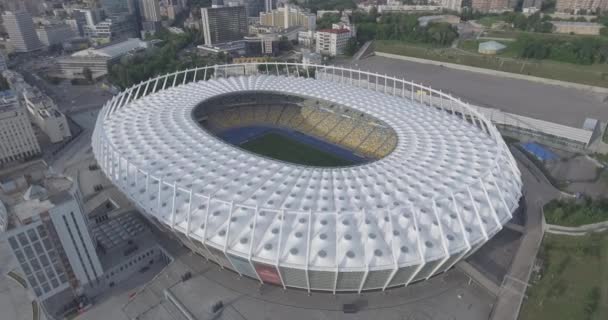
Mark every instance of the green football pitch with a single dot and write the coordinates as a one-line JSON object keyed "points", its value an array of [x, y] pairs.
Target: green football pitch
{"points": [[280, 147]]}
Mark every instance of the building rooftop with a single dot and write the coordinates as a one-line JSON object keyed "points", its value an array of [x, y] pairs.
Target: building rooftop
{"points": [[113, 50], [576, 23], [337, 31], [31, 190]]}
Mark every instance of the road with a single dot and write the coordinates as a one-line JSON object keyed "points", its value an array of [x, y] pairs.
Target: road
{"points": [[541, 101], [537, 191]]}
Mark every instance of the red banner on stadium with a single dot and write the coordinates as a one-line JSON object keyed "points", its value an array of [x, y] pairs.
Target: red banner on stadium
{"points": [[268, 273]]}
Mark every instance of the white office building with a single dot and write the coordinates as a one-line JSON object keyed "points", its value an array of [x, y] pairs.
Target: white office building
{"points": [[17, 138], [20, 29], [50, 238], [47, 117], [332, 41]]}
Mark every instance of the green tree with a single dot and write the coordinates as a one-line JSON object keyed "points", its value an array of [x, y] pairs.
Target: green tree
{"points": [[87, 74], [285, 44], [4, 85], [351, 47]]}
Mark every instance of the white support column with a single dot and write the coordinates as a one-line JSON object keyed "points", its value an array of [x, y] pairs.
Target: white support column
{"points": [[443, 242], [225, 249], [277, 264], [158, 203], [336, 256], [166, 77], [392, 244], [364, 278], [173, 207], [419, 246], [175, 78], [189, 216], [195, 74], [137, 92], [155, 84], [308, 249], [483, 229], [463, 230], [412, 91], [205, 74], [185, 76], [502, 198], [250, 253], [494, 213], [287, 69], [146, 88], [385, 83]]}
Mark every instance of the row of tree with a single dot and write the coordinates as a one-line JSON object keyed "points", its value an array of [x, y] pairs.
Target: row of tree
{"points": [[167, 58], [579, 50], [404, 27]]}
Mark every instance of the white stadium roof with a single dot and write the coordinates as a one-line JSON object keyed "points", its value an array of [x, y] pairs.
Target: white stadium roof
{"points": [[444, 190]]}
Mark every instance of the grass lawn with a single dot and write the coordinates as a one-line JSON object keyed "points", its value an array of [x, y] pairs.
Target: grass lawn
{"points": [[278, 146], [596, 75], [573, 281], [489, 20]]}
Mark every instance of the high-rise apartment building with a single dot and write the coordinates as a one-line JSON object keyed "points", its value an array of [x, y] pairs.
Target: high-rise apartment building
{"points": [[49, 236], [224, 24], [575, 6], [118, 7], [454, 5], [287, 17], [150, 10], [491, 5], [17, 138], [20, 29]]}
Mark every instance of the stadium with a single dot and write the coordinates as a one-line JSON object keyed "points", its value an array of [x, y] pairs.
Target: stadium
{"points": [[313, 177]]}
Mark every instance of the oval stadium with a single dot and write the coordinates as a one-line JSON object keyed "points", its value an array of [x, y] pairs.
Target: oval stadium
{"points": [[312, 177]]}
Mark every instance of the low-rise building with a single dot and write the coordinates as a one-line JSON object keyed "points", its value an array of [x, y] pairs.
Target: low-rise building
{"points": [[17, 138], [306, 38], [98, 59], [112, 29], [47, 117], [332, 41], [446, 18], [572, 27]]}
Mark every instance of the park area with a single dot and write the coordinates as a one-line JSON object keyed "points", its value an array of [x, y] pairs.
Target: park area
{"points": [[594, 74], [571, 281]]}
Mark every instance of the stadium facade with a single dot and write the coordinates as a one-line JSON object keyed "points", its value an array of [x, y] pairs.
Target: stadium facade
{"points": [[439, 180]]}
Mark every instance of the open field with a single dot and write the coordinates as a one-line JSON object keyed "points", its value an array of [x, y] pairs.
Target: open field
{"points": [[594, 75], [280, 147], [573, 281]]}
